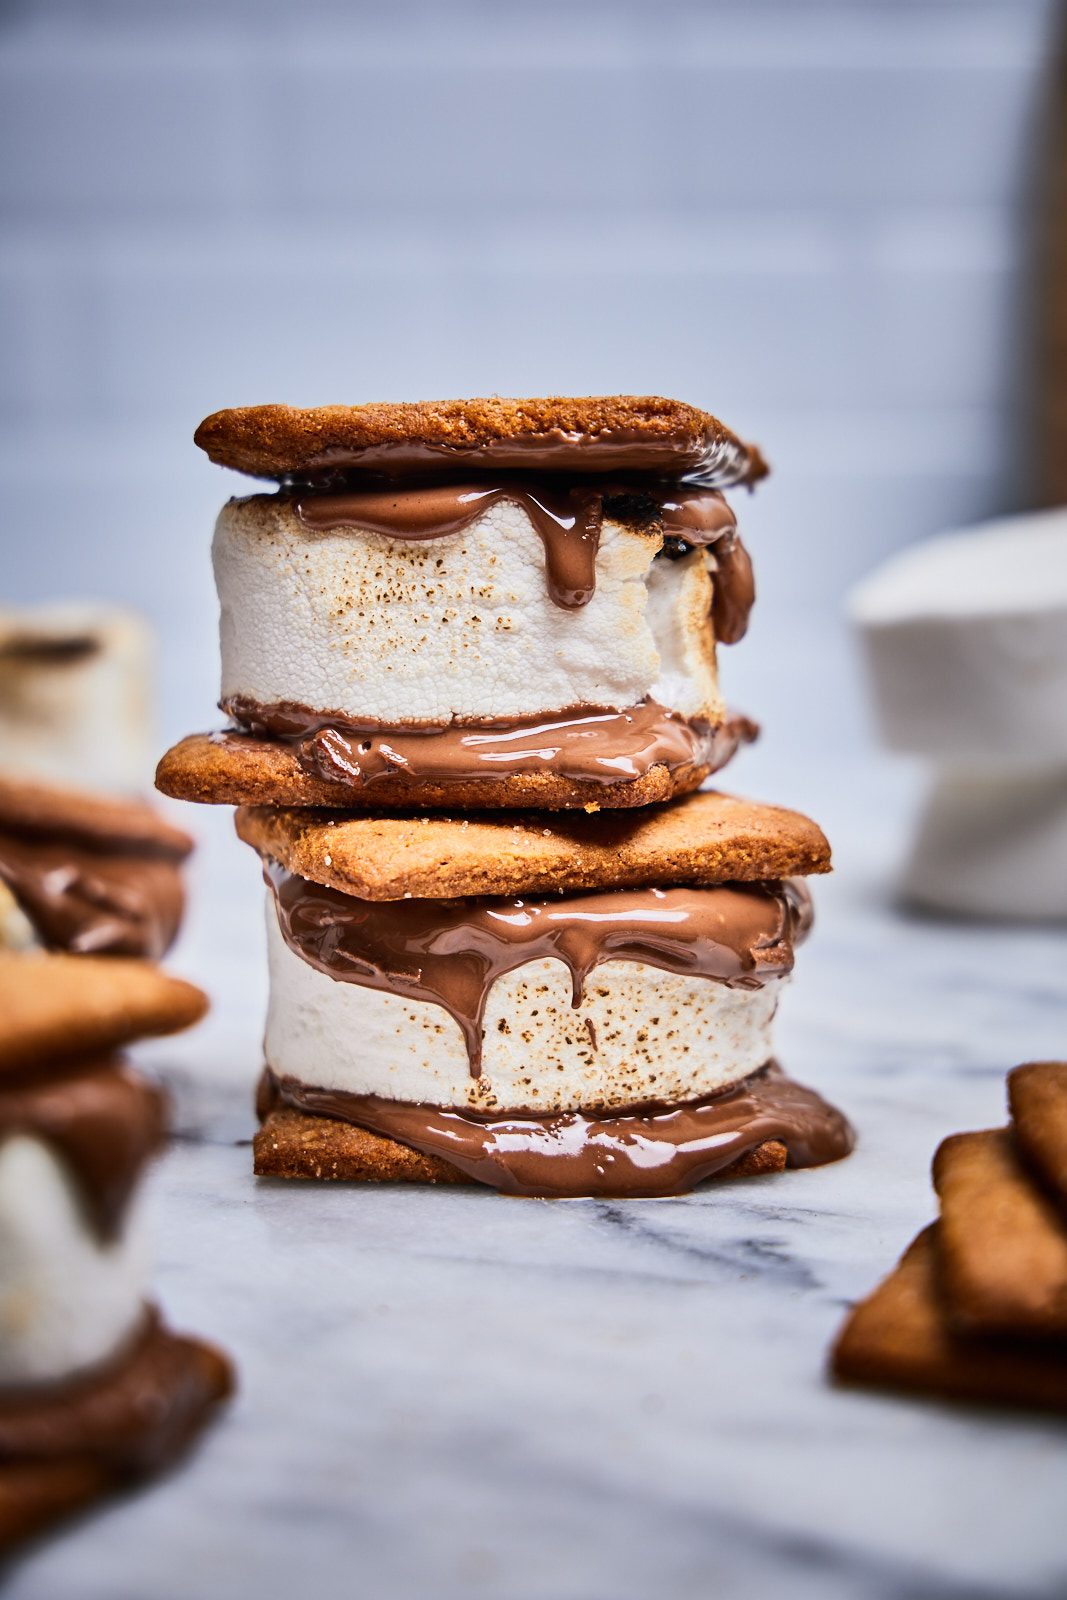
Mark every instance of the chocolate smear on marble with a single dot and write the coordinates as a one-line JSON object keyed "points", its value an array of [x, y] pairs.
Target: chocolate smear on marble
{"points": [[451, 952], [104, 1121], [652, 1152]]}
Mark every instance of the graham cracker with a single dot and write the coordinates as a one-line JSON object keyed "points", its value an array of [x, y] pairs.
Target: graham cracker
{"points": [[56, 1006], [100, 821], [1003, 1244], [901, 1338], [292, 1144], [234, 769], [277, 441], [704, 838], [1037, 1096]]}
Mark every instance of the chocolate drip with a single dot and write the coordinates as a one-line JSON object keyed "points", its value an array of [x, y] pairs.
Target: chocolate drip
{"points": [[586, 743], [567, 521], [651, 1152], [90, 901], [567, 518], [451, 952], [103, 1119]]}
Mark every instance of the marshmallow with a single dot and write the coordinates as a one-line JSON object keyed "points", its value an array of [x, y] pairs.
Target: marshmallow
{"points": [[659, 1036], [966, 643], [393, 630], [67, 1300], [75, 696], [992, 844]]}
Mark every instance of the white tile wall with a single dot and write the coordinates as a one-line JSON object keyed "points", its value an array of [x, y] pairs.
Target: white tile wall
{"points": [[806, 216]]}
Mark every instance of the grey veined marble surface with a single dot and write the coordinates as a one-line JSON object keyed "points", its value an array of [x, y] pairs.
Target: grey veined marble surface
{"points": [[445, 1393]]}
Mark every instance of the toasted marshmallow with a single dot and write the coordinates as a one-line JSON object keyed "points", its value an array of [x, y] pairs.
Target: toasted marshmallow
{"points": [[398, 631], [966, 642], [654, 1036], [75, 696], [68, 1301]]}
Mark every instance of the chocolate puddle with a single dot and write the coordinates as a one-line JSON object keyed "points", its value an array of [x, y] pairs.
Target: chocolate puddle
{"points": [[89, 901], [104, 1120], [451, 952], [567, 518], [584, 743], [647, 1153]]}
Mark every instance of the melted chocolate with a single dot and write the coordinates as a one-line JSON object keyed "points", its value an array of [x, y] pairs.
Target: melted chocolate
{"points": [[648, 1152], [567, 521], [135, 1413], [92, 901], [693, 458], [585, 743], [451, 952], [567, 518], [104, 1120]]}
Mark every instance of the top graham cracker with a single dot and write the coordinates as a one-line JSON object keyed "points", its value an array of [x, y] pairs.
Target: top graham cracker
{"points": [[603, 433], [703, 838]]}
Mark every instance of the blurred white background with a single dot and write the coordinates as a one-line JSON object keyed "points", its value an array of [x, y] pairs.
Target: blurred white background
{"points": [[809, 217]]}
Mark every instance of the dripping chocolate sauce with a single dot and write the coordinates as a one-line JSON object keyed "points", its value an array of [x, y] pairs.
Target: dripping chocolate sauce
{"points": [[567, 517], [451, 952], [649, 1152], [104, 1121], [94, 901]]}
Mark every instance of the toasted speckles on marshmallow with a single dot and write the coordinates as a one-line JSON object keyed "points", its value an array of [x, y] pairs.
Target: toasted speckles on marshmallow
{"points": [[659, 1036], [395, 630]]}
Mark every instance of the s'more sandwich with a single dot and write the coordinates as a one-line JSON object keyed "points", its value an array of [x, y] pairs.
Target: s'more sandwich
{"points": [[95, 1391], [473, 603], [469, 654]]}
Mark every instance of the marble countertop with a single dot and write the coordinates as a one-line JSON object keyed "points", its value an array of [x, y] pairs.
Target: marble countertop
{"points": [[448, 1393]]}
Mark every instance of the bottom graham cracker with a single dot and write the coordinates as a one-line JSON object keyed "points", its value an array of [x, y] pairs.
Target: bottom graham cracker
{"points": [[292, 1144], [901, 1338]]}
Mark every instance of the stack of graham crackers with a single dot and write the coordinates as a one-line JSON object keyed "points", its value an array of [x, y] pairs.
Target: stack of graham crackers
{"points": [[977, 1308]]}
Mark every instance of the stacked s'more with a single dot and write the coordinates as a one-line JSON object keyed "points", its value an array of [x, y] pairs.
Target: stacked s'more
{"points": [[86, 867], [469, 658], [95, 1391]]}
